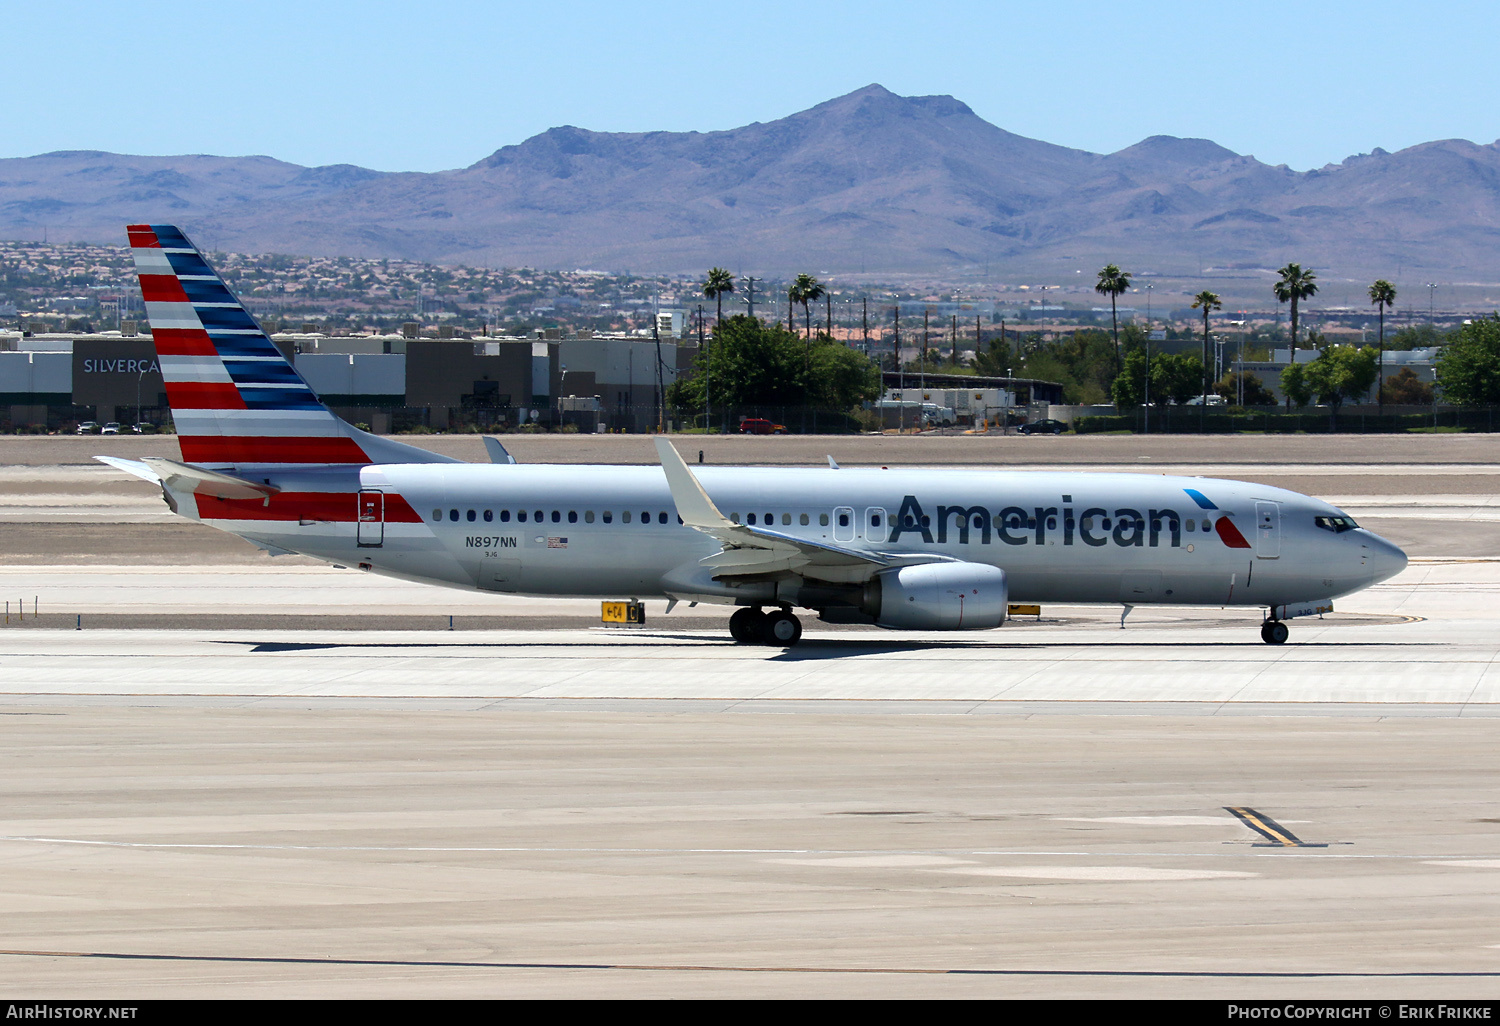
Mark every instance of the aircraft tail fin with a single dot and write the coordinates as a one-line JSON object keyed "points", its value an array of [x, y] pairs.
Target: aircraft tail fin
{"points": [[235, 399]]}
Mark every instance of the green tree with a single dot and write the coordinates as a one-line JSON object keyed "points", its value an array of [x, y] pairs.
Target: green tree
{"points": [[1295, 285], [806, 290], [718, 282], [1404, 388], [1209, 301], [1175, 377], [756, 364], [1113, 283], [1129, 387], [1233, 385], [1383, 295], [1295, 387], [1468, 370], [1341, 373]]}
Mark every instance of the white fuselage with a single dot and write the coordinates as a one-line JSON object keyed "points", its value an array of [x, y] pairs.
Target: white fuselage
{"points": [[612, 531]]}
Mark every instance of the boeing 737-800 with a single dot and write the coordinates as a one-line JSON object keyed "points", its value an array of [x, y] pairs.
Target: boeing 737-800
{"points": [[938, 550]]}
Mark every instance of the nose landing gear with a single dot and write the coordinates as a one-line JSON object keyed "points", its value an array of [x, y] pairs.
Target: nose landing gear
{"points": [[754, 627], [1273, 632]]}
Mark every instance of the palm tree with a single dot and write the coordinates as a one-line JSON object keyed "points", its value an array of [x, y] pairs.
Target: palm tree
{"points": [[719, 281], [806, 290], [1382, 294], [1295, 284], [1113, 283], [1209, 301]]}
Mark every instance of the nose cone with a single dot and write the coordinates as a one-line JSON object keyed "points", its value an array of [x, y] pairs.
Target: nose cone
{"points": [[1382, 559]]}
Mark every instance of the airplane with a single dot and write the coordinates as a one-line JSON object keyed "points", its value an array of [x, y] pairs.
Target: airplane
{"points": [[909, 549]]}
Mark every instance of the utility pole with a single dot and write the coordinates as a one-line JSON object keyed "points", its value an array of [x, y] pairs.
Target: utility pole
{"points": [[955, 340], [828, 313], [865, 322], [750, 284], [708, 417], [660, 401], [922, 355]]}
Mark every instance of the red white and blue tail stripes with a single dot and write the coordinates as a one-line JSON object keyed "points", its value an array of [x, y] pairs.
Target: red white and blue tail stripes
{"points": [[235, 399]]}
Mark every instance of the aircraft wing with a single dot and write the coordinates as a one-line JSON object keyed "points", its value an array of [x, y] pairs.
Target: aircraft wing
{"points": [[754, 551]]}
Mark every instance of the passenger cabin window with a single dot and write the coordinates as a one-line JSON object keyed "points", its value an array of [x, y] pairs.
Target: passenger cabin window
{"points": [[803, 520], [489, 515], [843, 520], [473, 516], [822, 519], [588, 516], [437, 514], [453, 515], [608, 516], [572, 516], [750, 518], [625, 517], [786, 520], [661, 518], [735, 517], [505, 516], [556, 517], [521, 515]]}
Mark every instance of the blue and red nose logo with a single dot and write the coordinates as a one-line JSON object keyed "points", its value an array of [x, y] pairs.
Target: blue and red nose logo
{"points": [[1223, 526]]}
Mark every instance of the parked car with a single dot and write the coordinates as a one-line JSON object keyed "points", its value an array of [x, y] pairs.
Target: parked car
{"points": [[1043, 427], [112, 428], [1208, 400], [761, 426], [88, 427]]}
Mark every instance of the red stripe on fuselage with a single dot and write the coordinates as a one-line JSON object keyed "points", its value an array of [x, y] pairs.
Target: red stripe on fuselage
{"points": [[1230, 534], [141, 236], [337, 507], [162, 288], [183, 342], [203, 395], [249, 449]]}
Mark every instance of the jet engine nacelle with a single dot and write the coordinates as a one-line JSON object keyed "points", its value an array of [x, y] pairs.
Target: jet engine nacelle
{"points": [[942, 597]]}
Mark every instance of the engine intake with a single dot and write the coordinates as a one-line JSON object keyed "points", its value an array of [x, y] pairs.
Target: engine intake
{"points": [[940, 597]]}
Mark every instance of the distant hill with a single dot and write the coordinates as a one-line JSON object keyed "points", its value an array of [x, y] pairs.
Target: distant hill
{"points": [[870, 181]]}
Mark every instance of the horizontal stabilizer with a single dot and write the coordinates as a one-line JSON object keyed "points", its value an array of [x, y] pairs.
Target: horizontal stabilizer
{"points": [[133, 467], [199, 481]]}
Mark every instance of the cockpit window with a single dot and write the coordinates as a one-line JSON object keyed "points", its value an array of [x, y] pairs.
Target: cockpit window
{"points": [[1338, 525]]}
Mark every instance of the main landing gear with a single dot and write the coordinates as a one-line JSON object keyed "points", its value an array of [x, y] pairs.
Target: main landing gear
{"points": [[754, 627], [1273, 632]]}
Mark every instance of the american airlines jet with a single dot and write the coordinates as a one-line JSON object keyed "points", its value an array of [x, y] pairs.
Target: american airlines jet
{"points": [[933, 550]]}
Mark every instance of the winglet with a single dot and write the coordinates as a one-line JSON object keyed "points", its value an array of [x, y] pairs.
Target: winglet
{"points": [[694, 506], [497, 451], [831, 464]]}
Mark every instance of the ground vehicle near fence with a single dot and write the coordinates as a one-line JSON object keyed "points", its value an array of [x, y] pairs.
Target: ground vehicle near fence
{"points": [[935, 550], [761, 426]]}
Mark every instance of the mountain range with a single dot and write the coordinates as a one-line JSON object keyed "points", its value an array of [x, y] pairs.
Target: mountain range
{"points": [[867, 182]]}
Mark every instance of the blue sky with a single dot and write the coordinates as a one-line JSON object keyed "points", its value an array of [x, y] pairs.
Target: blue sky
{"points": [[440, 84]]}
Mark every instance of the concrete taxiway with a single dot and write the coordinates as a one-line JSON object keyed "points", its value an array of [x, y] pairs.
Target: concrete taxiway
{"points": [[254, 793]]}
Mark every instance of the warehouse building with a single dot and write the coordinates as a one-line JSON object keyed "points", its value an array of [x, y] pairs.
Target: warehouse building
{"points": [[384, 382]]}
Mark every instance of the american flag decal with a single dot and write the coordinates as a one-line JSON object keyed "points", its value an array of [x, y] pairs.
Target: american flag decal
{"points": [[557, 543]]}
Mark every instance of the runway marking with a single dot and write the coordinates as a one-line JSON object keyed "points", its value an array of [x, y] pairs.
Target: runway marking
{"points": [[1278, 835], [1100, 874], [1320, 853], [701, 968]]}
